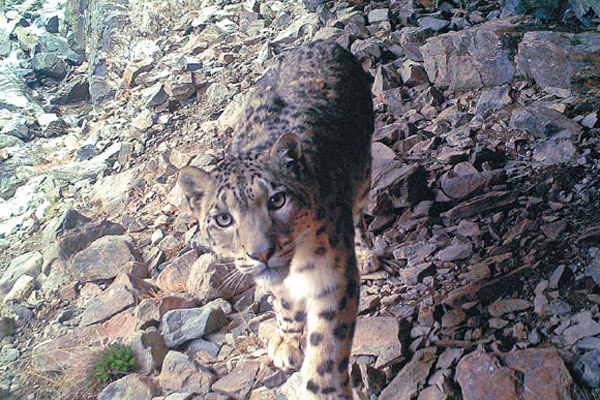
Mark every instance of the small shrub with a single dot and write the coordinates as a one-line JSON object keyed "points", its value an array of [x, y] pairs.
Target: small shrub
{"points": [[113, 362]]}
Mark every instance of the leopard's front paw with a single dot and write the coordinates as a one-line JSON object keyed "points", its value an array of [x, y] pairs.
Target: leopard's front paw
{"points": [[286, 351]]}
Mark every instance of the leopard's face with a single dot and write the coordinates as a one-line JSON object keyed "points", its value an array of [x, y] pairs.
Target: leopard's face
{"points": [[250, 213]]}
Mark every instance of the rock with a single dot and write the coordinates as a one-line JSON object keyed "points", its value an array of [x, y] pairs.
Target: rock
{"points": [[579, 331], [148, 348], [112, 301], [412, 377], [464, 186], [378, 15], [237, 383], [205, 346], [180, 326], [416, 253], [543, 122], [435, 24], [25, 264], [413, 73], [7, 327], [414, 275], [589, 366], [457, 252], [51, 24], [307, 24], [492, 99], [545, 374], [50, 65], [131, 387], [9, 354], [411, 39], [180, 374], [468, 229], [558, 61], [469, 59], [453, 318], [174, 277], [103, 259], [151, 311], [480, 204], [377, 336], [74, 89], [293, 389], [112, 192], [505, 306], [482, 377], [552, 152], [21, 290]]}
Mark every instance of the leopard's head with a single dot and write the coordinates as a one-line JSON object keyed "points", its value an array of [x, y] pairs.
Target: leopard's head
{"points": [[253, 209]]}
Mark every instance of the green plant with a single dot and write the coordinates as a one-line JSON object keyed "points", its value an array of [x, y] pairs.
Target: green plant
{"points": [[113, 362]]}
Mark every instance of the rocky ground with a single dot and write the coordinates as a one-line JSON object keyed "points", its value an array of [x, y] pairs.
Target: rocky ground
{"points": [[485, 207]]}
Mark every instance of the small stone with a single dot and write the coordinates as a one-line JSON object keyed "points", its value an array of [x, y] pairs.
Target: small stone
{"points": [[378, 15], [453, 318], [21, 290], [7, 327], [9, 354], [180, 326], [481, 376], [412, 376], [468, 229], [180, 374], [25, 264], [579, 331], [134, 387], [103, 259], [237, 383], [505, 306], [454, 253], [589, 364], [377, 336], [435, 24], [493, 99]]}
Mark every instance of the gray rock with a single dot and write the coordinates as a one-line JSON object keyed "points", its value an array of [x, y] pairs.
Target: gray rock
{"points": [[556, 61], [11, 140], [411, 39], [469, 59], [237, 383], [16, 128], [103, 259], [589, 365], [378, 15], [575, 333], [456, 252], [155, 96], [543, 122], [110, 302], [180, 326], [73, 90], [131, 387], [412, 377], [435, 24], [9, 354], [292, 389], [505, 306], [493, 99], [180, 374], [112, 191], [51, 24], [7, 327], [148, 348], [26, 264], [552, 152], [204, 345], [377, 336], [50, 65], [21, 290]]}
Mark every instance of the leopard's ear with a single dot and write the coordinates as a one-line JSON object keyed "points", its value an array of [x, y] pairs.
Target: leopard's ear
{"points": [[287, 147], [194, 182]]}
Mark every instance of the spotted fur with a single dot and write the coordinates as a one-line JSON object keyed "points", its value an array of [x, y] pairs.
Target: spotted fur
{"points": [[283, 204]]}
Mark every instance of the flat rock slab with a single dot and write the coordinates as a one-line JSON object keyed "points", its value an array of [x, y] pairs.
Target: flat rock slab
{"points": [[104, 258], [505, 306], [377, 336], [545, 374], [412, 377], [180, 374], [482, 377], [180, 326], [575, 333], [543, 122], [237, 383], [131, 387], [110, 302]]}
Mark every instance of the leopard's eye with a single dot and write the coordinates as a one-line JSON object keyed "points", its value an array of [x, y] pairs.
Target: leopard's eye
{"points": [[276, 201], [224, 220]]}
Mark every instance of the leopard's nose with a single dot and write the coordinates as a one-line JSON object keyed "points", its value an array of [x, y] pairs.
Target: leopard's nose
{"points": [[262, 255]]}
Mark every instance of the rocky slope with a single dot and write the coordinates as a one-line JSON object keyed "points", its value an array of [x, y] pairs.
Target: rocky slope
{"points": [[484, 209]]}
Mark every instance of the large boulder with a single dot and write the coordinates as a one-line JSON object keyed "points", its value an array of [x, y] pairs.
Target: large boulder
{"points": [[560, 62], [470, 59]]}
